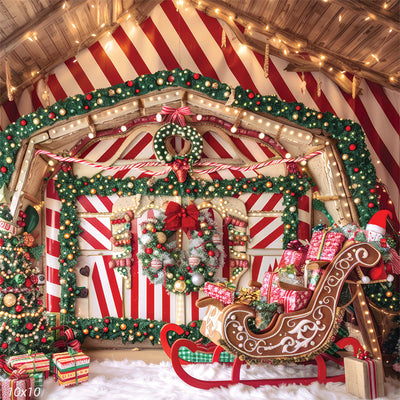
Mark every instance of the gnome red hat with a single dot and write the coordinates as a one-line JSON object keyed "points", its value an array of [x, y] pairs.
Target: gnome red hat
{"points": [[378, 222]]}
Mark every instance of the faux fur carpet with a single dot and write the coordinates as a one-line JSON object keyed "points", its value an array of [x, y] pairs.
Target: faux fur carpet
{"points": [[136, 380]]}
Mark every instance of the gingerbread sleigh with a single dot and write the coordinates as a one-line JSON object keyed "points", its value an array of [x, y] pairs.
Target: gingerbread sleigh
{"points": [[298, 336]]}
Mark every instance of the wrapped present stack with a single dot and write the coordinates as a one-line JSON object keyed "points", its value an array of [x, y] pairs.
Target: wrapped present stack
{"points": [[220, 291], [364, 377], [71, 368]]}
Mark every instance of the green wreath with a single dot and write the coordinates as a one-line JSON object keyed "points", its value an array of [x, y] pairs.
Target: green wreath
{"points": [[165, 152], [165, 264]]}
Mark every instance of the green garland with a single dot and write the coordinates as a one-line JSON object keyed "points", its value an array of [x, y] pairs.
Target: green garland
{"points": [[350, 136], [164, 263]]}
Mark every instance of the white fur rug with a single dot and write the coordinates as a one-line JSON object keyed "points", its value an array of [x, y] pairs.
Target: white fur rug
{"points": [[127, 380]]}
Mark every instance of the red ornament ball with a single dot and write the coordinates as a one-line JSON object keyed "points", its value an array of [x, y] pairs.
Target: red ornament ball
{"points": [[356, 169], [4, 345], [352, 147], [3, 169], [105, 329], [135, 325], [348, 128], [149, 250], [28, 283], [107, 321], [29, 326], [251, 95], [18, 308], [211, 253], [17, 339], [371, 205], [188, 83], [144, 231], [200, 234], [1, 280], [372, 190], [258, 102], [193, 324], [23, 122], [298, 108], [196, 76], [89, 96], [137, 91], [171, 78], [154, 230], [43, 340], [129, 83], [51, 115], [9, 137]]}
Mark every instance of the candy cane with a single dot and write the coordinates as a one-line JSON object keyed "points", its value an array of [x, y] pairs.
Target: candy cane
{"points": [[217, 166]]}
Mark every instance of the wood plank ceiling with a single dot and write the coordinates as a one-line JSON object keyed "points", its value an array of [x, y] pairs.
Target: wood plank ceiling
{"points": [[361, 37]]}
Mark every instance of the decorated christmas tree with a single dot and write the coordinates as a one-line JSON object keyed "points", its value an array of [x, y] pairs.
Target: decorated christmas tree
{"points": [[23, 324]]}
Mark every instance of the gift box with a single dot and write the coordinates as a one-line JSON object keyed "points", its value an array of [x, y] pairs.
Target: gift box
{"points": [[30, 363], [39, 378], [364, 377], [71, 368], [325, 245], [314, 278], [295, 254], [292, 300], [18, 386], [220, 291]]}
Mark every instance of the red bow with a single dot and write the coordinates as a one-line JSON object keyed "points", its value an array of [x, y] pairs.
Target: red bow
{"points": [[179, 217], [68, 340], [177, 114], [297, 246]]}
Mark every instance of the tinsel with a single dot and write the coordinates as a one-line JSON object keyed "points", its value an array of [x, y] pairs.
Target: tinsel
{"points": [[266, 60]]}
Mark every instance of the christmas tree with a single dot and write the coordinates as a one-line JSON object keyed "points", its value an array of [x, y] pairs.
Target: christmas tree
{"points": [[23, 324]]}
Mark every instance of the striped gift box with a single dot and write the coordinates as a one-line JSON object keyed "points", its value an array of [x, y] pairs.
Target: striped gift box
{"points": [[71, 369], [30, 363]]}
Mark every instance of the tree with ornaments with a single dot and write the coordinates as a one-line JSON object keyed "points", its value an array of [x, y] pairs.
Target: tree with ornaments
{"points": [[23, 324]]}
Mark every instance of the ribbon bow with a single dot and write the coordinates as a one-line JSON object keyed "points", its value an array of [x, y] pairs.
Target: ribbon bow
{"points": [[175, 114], [68, 341], [297, 246], [19, 374], [179, 217], [363, 354]]}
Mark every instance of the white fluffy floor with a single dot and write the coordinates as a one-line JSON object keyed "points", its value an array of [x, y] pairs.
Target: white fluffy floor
{"points": [[127, 380]]}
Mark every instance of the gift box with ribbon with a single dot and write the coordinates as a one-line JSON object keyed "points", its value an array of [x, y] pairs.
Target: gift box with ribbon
{"points": [[30, 363], [67, 339], [325, 245], [71, 368], [220, 291], [295, 254], [19, 386], [39, 378], [292, 300], [364, 377]]}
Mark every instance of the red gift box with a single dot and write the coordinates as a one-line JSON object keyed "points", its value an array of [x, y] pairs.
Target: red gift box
{"points": [[325, 245], [296, 258], [292, 300], [19, 386], [220, 292]]}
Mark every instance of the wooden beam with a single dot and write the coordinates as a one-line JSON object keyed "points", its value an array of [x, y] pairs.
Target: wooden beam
{"points": [[374, 10], [230, 14], [42, 19]]}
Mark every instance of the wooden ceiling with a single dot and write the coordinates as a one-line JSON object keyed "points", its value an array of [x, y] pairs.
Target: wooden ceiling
{"points": [[337, 37]]}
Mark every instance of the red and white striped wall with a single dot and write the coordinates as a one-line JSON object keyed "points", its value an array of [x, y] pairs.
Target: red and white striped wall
{"points": [[190, 39]]}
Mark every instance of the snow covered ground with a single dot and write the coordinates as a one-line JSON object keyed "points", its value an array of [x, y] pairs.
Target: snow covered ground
{"points": [[120, 380]]}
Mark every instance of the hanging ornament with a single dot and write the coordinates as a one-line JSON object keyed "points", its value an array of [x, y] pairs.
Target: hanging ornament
{"points": [[354, 86], [8, 82], [223, 39], [266, 60], [303, 84], [319, 85], [9, 300]]}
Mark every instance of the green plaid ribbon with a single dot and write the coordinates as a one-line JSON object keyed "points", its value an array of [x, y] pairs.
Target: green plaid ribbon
{"points": [[199, 357]]}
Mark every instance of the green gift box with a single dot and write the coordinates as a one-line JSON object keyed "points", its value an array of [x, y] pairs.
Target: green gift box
{"points": [[39, 378]]}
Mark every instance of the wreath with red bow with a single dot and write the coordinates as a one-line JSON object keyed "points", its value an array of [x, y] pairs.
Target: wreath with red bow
{"points": [[177, 270]]}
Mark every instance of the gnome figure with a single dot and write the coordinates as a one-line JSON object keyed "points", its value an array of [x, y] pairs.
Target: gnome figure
{"points": [[376, 228]]}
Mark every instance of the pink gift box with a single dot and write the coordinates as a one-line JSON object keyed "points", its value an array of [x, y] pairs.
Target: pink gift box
{"points": [[325, 245], [18, 388], [292, 300], [297, 258], [220, 292]]}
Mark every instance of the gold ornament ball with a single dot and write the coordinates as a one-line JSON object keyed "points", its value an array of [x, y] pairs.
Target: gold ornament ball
{"points": [[206, 232], [292, 209], [70, 256], [180, 286], [9, 299], [62, 111], [85, 331], [119, 90], [9, 160], [63, 311], [345, 156], [150, 226], [389, 294], [151, 337], [214, 85], [36, 121], [175, 193], [207, 83], [203, 225], [170, 275], [160, 81], [123, 327], [161, 237], [211, 274], [151, 325], [357, 200], [295, 116], [100, 101]]}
